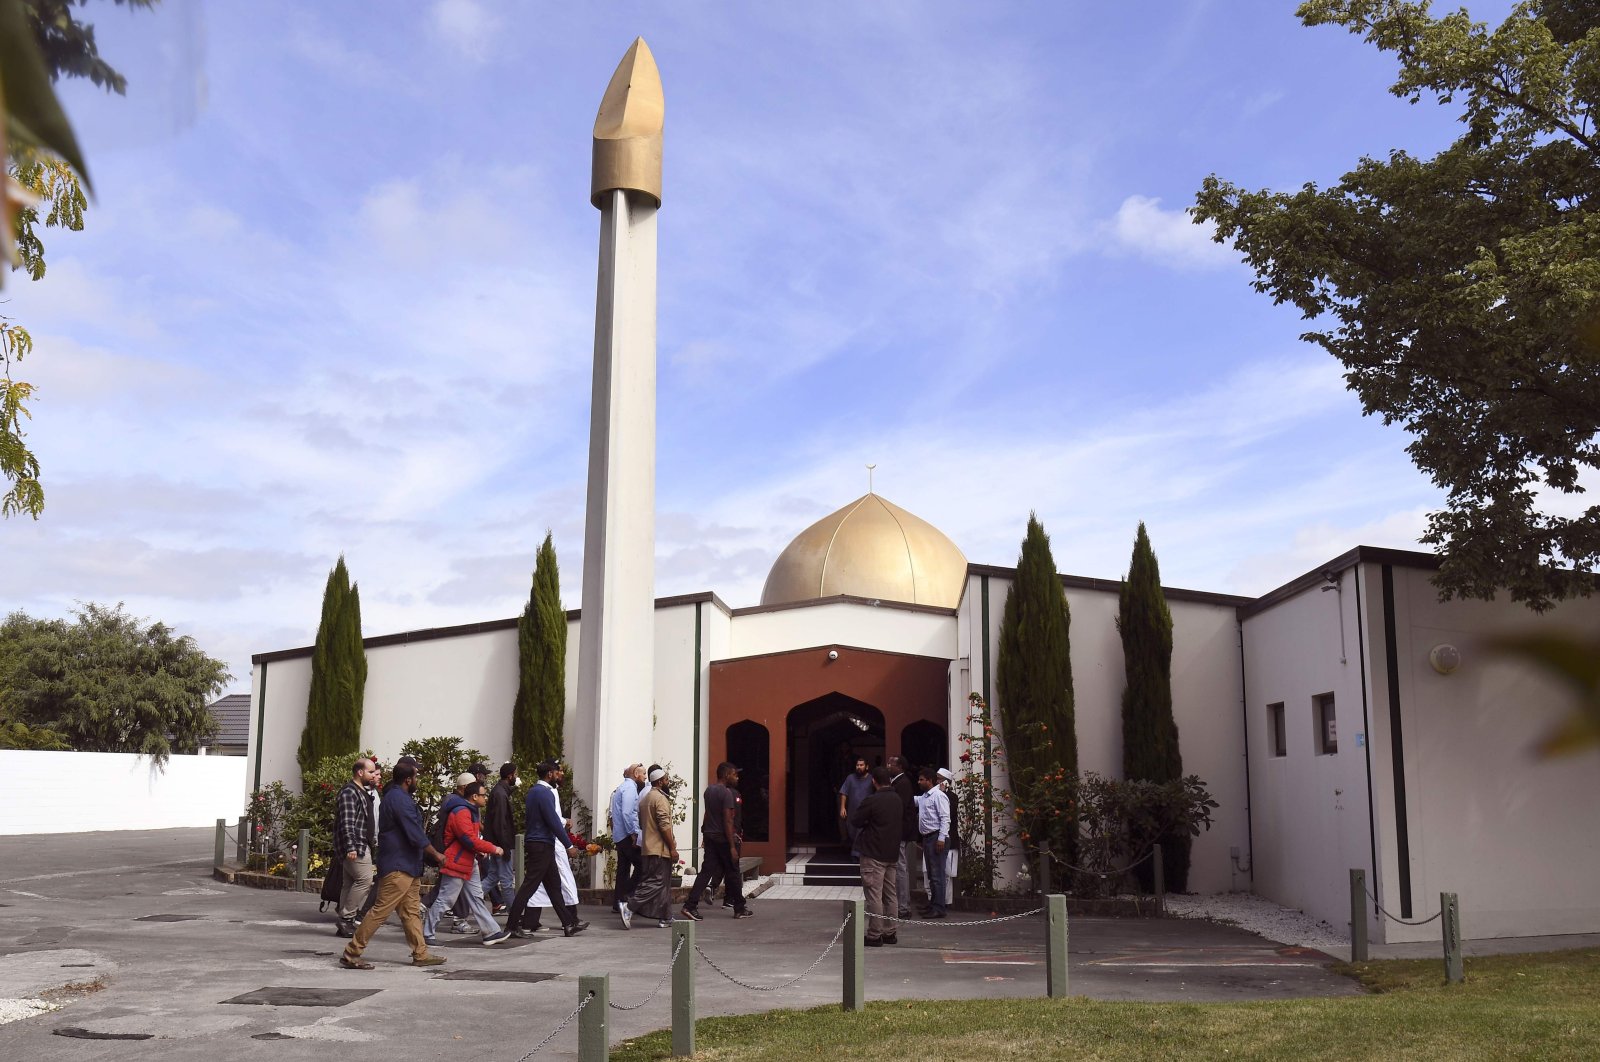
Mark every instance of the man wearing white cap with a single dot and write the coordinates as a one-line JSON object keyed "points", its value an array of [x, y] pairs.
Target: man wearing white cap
{"points": [[952, 851], [652, 892]]}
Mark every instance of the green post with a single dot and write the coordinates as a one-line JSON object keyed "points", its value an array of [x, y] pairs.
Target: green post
{"points": [[594, 1038], [1158, 871], [222, 841], [242, 841], [683, 988], [1450, 907], [1055, 948], [1045, 870], [855, 984], [1358, 915], [517, 861], [302, 856]]}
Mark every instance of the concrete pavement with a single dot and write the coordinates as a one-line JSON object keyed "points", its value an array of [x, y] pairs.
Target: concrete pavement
{"points": [[175, 958]]}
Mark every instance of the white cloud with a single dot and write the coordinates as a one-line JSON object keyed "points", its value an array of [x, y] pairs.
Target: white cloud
{"points": [[467, 25], [1170, 237]]}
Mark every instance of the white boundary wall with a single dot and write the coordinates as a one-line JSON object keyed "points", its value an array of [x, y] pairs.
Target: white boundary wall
{"points": [[77, 792]]}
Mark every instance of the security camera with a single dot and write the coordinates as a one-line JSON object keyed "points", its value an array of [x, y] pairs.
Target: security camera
{"points": [[833, 654]]}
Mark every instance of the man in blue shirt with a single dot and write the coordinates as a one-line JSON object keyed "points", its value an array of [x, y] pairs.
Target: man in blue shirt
{"points": [[624, 817], [545, 831], [401, 845]]}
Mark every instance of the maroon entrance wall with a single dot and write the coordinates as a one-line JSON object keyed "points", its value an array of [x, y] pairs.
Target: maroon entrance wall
{"points": [[763, 689]]}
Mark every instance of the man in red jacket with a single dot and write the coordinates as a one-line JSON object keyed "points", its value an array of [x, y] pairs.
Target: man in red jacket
{"points": [[458, 869]]}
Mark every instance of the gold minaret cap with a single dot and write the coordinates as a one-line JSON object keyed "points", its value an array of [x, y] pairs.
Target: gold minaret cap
{"points": [[627, 131]]}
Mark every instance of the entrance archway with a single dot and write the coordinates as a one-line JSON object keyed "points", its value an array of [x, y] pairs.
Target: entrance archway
{"points": [[749, 747], [923, 745], [824, 737], [752, 694]]}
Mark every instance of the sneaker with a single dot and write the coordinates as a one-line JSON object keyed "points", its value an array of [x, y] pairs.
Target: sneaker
{"points": [[521, 934], [692, 914], [463, 926], [627, 916], [492, 939], [574, 929], [429, 941], [343, 928], [428, 960], [746, 913], [728, 904], [889, 938], [354, 964], [905, 913], [873, 943], [499, 908], [665, 923]]}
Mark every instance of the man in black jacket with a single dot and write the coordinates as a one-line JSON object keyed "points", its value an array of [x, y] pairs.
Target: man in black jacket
{"points": [[910, 839], [498, 828], [878, 823]]}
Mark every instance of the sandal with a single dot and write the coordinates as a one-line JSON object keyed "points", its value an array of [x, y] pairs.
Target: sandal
{"points": [[355, 964]]}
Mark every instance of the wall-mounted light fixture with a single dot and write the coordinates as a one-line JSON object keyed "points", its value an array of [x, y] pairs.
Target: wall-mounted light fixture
{"points": [[1444, 658]]}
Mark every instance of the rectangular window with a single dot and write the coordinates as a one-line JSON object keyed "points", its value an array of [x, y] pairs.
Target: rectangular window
{"points": [[1327, 727], [1277, 744]]}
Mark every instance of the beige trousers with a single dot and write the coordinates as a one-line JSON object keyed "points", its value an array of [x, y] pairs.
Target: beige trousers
{"points": [[397, 891]]}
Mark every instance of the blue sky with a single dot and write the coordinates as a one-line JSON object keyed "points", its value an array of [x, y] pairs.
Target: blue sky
{"points": [[336, 295]]}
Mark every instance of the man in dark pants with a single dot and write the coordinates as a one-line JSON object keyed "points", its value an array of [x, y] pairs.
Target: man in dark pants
{"points": [[545, 829], [910, 839], [721, 845], [624, 818], [501, 883]]}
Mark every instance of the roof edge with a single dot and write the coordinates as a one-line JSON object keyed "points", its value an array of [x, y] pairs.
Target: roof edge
{"points": [[1405, 558], [1085, 582]]}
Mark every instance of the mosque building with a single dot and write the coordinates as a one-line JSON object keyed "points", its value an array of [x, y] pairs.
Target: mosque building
{"points": [[1348, 719]]}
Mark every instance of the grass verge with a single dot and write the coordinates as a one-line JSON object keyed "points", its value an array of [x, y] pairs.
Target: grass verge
{"points": [[1543, 1006]]}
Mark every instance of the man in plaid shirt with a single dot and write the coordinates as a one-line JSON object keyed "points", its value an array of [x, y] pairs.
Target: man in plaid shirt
{"points": [[354, 835]]}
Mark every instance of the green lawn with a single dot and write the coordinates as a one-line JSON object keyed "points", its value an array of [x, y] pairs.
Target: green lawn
{"points": [[1510, 1007]]}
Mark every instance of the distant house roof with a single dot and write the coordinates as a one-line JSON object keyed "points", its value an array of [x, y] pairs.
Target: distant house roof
{"points": [[233, 720]]}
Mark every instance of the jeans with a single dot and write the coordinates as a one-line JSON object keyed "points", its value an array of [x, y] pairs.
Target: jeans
{"points": [[716, 858], [878, 881], [933, 861], [449, 889], [630, 864], [910, 856], [501, 884]]}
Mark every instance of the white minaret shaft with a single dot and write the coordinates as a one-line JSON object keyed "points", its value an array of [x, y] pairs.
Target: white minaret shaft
{"points": [[616, 647]]}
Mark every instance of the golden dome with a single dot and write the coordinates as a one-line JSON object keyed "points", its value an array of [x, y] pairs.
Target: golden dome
{"points": [[870, 548]]}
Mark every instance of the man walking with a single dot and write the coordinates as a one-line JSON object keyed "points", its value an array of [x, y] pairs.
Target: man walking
{"points": [[910, 845], [355, 833], [876, 824], [933, 825], [721, 845], [652, 893], [499, 830], [855, 788], [401, 846], [624, 824], [544, 831], [952, 851]]}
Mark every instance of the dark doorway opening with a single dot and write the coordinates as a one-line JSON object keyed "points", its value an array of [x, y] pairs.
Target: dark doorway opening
{"points": [[824, 738], [748, 748], [923, 744]]}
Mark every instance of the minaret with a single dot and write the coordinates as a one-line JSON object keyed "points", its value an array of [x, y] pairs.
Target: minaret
{"points": [[616, 642]]}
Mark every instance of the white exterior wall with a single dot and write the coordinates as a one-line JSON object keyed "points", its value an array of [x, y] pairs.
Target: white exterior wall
{"points": [[128, 792], [279, 689], [1515, 836], [890, 629], [1310, 811], [1205, 703]]}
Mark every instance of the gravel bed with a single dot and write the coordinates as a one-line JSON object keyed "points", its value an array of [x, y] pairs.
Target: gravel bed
{"points": [[17, 1009], [1260, 915]]}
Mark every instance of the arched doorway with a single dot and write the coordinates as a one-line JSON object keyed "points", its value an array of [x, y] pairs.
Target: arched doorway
{"points": [[748, 746], [923, 744], [824, 737]]}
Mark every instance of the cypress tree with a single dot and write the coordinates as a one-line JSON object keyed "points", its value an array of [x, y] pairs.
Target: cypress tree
{"points": [[338, 675], [1033, 675], [538, 718], [1149, 732]]}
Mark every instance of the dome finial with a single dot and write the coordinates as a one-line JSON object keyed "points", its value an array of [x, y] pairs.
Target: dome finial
{"points": [[869, 478]]}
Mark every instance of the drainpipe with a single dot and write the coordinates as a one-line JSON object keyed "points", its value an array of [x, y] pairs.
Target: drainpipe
{"points": [[1249, 807]]}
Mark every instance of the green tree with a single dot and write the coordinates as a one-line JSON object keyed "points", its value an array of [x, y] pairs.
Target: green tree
{"points": [[539, 715], [1462, 292], [338, 675], [1033, 678], [1149, 733], [41, 41], [107, 683]]}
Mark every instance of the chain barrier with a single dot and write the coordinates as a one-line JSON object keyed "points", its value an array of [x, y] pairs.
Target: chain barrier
{"points": [[636, 1006], [1102, 874], [946, 924], [792, 981], [562, 1024], [1392, 918]]}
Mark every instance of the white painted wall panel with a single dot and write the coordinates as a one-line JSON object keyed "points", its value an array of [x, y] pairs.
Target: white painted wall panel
{"points": [[45, 794], [864, 626]]}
